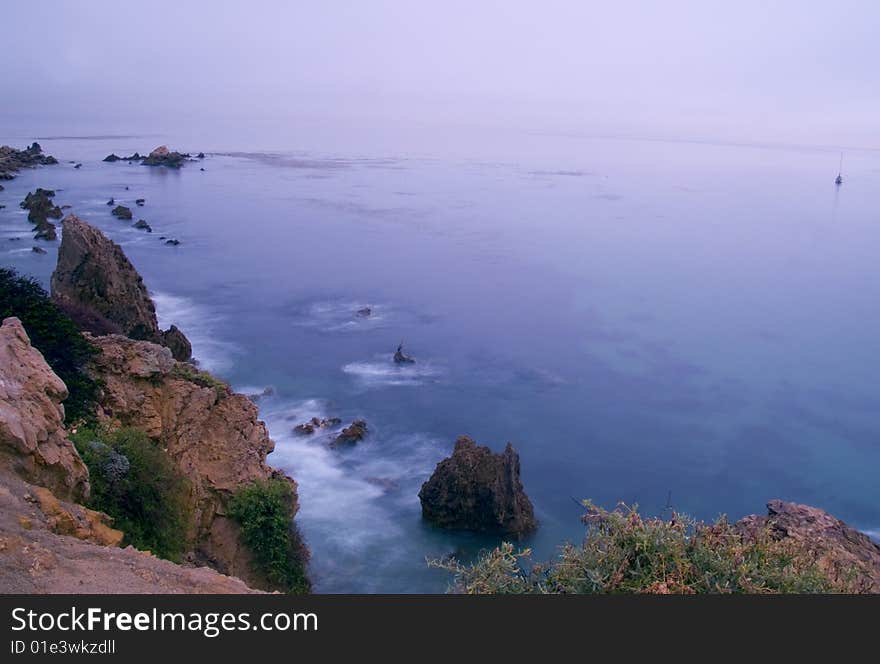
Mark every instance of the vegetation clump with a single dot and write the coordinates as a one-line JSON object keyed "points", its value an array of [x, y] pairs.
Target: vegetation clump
{"points": [[264, 510], [136, 482], [201, 378], [56, 336], [626, 553]]}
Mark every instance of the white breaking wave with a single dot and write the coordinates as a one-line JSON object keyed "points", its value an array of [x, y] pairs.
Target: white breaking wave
{"points": [[198, 324], [343, 316], [350, 499], [384, 372]]}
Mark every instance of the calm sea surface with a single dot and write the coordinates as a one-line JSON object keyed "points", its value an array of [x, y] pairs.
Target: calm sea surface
{"points": [[646, 321]]}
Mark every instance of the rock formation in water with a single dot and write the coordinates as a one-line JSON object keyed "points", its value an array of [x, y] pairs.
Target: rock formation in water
{"points": [[352, 434], [308, 428], [40, 209], [162, 156], [121, 212], [94, 282], [842, 551], [475, 489], [33, 442], [400, 357], [213, 436], [12, 160]]}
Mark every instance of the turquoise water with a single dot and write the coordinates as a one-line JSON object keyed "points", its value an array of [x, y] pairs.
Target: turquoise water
{"points": [[646, 321]]}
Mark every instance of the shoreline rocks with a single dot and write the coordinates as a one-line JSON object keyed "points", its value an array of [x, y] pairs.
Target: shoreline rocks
{"points": [[401, 358], [842, 551], [161, 156], [476, 489], [12, 160], [121, 212]]}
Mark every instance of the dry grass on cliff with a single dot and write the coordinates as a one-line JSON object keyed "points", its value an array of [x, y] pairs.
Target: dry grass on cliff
{"points": [[626, 553]]}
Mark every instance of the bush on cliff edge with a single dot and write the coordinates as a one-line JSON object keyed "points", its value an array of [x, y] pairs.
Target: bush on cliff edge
{"points": [[264, 510], [56, 336], [626, 553], [135, 482]]}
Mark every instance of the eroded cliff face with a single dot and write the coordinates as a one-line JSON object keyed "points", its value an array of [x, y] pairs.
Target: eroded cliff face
{"points": [[33, 442], [213, 435], [99, 288]]}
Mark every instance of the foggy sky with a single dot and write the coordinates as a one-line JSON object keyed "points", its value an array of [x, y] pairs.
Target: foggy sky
{"points": [[763, 71]]}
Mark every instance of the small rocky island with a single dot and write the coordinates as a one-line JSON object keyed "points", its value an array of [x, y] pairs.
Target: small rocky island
{"points": [[476, 489], [12, 160], [161, 156]]}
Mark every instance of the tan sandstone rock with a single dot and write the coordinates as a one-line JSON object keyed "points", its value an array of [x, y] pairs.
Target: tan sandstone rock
{"points": [[33, 442]]}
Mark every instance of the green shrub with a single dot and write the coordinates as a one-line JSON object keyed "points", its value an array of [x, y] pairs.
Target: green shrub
{"points": [[56, 336], [624, 553], [188, 372], [264, 510], [136, 482]]}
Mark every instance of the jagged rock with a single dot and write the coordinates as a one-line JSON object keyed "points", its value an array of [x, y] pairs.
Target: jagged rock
{"points": [[140, 201], [843, 552], [200, 155], [112, 157], [400, 357], [143, 225], [212, 435], [121, 212], [475, 489], [308, 428], [12, 160], [162, 156], [172, 242], [112, 201], [33, 443], [37, 250], [52, 546], [45, 230], [352, 434], [177, 343], [94, 274], [40, 207]]}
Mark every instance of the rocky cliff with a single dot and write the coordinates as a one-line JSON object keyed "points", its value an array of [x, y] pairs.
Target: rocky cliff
{"points": [[96, 284], [51, 546], [33, 442], [843, 553], [475, 489], [212, 434], [48, 542]]}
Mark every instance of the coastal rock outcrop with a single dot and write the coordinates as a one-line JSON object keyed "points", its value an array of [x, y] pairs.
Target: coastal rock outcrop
{"points": [[94, 275], [352, 434], [121, 212], [40, 209], [33, 442], [162, 156], [212, 434], [12, 160], [842, 551], [476, 489]]}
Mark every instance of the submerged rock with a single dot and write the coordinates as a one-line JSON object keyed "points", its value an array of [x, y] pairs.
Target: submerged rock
{"points": [[121, 212], [475, 489], [143, 225], [37, 250], [352, 434], [78, 166], [172, 242], [366, 312], [112, 201], [140, 201], [401, 358], [94, 281]]}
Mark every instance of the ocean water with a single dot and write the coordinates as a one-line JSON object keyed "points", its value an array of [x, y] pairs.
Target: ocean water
{"points": [[653, 322]]}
